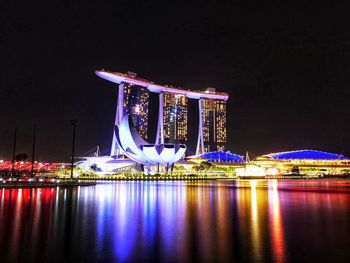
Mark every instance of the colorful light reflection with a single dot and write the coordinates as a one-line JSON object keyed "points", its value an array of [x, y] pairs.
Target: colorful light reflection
{"points": [[276, 224], [220, 221]]}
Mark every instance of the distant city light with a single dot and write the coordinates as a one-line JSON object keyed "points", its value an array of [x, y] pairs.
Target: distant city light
{"points": [[272, 171]]}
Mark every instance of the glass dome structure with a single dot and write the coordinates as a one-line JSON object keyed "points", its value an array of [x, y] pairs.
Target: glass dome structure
{"points": [[305, 155], [223, 157]]}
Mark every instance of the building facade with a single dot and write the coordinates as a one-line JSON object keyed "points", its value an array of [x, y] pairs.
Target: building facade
{"points": [[214, 124], [135, 104], [303, 162], [172, 127], [175, 113]]}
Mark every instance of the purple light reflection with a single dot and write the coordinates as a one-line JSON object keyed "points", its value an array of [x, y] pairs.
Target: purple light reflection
{"points": [[178, 221]]}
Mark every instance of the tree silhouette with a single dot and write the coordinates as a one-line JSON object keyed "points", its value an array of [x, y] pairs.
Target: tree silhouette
{"points": [[21, 157]]}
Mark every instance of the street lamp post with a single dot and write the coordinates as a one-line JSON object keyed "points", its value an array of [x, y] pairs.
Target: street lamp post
{"points": [[74, 123], [14, 152], [33, 151]]}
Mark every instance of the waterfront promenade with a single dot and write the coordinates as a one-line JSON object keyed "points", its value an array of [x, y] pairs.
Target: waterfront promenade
{"points": [[61, 183], [92, 180]]}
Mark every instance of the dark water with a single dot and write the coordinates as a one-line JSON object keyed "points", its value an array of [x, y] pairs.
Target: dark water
{"points": [[246, 221]]}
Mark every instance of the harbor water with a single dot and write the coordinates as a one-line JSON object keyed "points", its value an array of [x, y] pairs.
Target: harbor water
{"points": [[180, 221]]}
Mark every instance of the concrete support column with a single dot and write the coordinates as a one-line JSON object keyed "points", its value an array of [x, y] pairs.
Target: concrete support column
{"points": [[118, 117], [160, 126], [200, 141]]}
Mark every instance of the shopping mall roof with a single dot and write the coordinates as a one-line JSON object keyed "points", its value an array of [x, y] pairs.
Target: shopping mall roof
{"points": [[304, 155], [223, 157]]}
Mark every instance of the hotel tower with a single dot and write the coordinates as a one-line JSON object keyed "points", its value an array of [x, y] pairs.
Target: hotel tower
{"points": [[172, 127]]}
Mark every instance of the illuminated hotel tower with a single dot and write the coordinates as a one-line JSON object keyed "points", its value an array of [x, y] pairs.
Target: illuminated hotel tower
{"points": [[214, 124], [136, 104], [175, 118], [133, 99]]}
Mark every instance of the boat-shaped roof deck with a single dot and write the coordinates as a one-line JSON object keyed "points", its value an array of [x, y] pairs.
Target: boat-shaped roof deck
{"points": [[117, 77]]}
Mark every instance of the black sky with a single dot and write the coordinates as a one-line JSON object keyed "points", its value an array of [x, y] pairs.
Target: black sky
{"points": [[286, 66]]}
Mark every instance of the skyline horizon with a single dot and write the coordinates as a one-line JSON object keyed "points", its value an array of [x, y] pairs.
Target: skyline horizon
{"points": [[151, 133], [285, 65], [106, 150]]}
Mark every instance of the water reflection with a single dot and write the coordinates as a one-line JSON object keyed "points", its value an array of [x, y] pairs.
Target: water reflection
{"points": [[255, 223], [248, 221], [276, 224]]}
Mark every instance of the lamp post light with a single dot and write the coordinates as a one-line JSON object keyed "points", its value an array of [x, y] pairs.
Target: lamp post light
{"points": [[14, 152], [74, 123], [33, 151]]}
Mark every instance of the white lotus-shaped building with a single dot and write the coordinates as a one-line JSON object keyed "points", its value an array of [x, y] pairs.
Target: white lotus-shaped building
{"points": [[137, 149]]}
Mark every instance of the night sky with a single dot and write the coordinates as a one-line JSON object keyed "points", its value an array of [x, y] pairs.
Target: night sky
{"points": [[286, 67]]}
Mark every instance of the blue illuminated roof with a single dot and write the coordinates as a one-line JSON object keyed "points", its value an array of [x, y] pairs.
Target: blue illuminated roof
{"points": [[306, 154], [220, 156]]}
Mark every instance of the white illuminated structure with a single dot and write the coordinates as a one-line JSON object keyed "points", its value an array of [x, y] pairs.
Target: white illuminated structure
{"points": [[200, 140], [138, 150], [120, 79], [104, 165]]}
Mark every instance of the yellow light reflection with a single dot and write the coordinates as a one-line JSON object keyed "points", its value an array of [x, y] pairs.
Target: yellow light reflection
{"points": [[276, 225], [255, 228]]}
